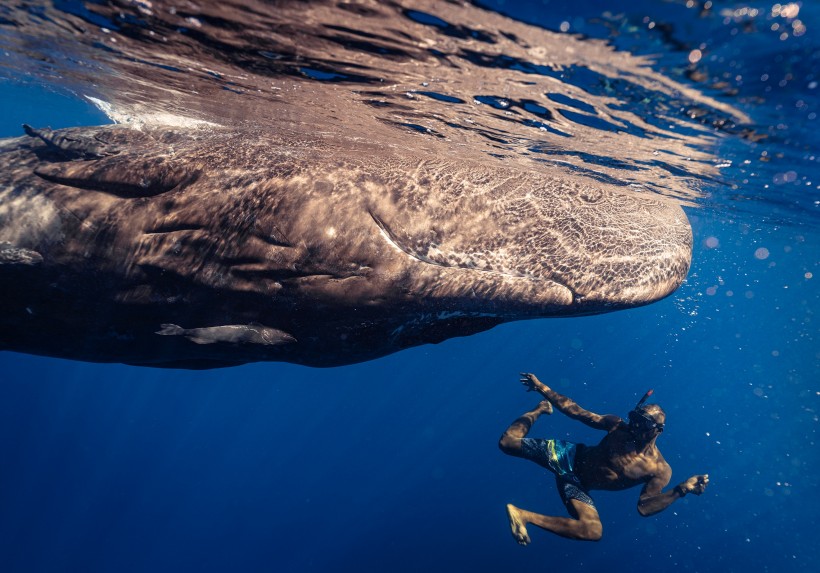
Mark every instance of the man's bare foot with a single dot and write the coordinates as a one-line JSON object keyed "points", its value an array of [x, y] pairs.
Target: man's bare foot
{"points": [[519, 532], [545, 407]]}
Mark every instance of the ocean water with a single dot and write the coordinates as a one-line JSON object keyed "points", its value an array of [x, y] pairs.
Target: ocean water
{"points": [[392, 464]]}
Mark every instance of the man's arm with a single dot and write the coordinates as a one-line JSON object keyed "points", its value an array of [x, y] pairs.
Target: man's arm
{"points": [[568, 407], [654, 500]]}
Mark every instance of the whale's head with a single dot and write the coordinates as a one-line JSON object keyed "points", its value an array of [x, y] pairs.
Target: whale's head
{"points": [[202, 250], [435, 249]]}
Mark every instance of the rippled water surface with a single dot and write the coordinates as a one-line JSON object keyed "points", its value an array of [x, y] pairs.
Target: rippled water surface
{"points": [[439, 78], [392, 464]]}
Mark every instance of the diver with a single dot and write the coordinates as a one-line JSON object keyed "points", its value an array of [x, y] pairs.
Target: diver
{"points": [[626, 457]]}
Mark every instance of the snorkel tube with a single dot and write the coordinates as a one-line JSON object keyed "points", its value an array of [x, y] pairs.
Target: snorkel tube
{"points": [[639, 405]]}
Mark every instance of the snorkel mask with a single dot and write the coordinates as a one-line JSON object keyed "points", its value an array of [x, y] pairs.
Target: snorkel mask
{"points": [[639, 420]]}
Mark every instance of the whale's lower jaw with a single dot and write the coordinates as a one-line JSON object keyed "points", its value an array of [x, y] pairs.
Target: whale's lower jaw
{"points": [[646, 264], [96, 331]]}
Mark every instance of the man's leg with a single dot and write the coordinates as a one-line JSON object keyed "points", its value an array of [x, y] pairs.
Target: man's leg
{"points": [[510, 442], [587, 527]]}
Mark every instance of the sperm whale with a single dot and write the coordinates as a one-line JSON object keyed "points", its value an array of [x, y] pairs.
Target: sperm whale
{"points": [[182, 247]]}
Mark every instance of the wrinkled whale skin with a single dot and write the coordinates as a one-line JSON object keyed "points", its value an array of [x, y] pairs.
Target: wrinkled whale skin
{"points": [[345, 251]]}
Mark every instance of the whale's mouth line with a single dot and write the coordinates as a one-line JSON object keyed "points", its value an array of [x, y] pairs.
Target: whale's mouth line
{"points": [[391, 239]]}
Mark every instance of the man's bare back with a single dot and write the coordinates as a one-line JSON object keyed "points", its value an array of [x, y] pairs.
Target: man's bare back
{"points": [[626, 457]]}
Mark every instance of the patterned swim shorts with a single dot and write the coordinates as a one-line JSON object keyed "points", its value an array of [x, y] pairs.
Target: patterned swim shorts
{"points": [[558, 457]]}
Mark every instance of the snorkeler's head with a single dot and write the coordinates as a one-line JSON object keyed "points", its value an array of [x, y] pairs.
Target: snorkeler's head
{"points": [[645, 418]]}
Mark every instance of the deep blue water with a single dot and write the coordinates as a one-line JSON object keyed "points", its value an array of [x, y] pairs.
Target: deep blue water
{"points": [[393, 465]]}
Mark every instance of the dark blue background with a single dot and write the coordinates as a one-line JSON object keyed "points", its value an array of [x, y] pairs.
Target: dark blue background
{"points": [[393, 465]]}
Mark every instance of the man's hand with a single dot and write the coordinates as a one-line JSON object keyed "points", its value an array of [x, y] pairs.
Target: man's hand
{"points": [[531, 382], [695, 484]]}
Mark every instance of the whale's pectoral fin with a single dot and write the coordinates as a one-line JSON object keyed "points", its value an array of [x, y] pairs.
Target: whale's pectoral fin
{"points": [[125, 175], [11, 256], [72, 146]]}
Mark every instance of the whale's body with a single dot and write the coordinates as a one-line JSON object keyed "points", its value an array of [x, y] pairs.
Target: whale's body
{"points": [[210, 247], [325, 183]]}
